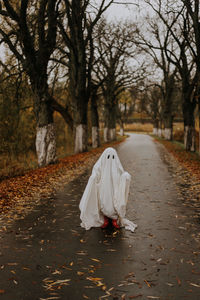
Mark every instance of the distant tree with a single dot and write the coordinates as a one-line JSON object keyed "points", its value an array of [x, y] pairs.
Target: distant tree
{"points": [[178, 28], [113, 48], [155, 46], [126, 106]]}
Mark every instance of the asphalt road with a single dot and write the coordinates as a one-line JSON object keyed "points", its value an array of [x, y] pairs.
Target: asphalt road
{"points": [[47, 255]]}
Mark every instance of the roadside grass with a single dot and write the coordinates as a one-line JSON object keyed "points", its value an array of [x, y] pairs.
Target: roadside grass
{"points": [[45, 181], [189, 160], [139, 127]]}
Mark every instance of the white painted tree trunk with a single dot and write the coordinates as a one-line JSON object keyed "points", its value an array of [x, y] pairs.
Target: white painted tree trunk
{"points": [[155, 131], [168, 134], [46, 145], [159, 132], [121, 131], [112, 133], [105, 134], [95, 137], [80, 138], [109, 134]]}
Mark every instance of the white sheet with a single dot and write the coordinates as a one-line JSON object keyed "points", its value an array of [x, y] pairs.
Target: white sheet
{"points": [[106, 193]]}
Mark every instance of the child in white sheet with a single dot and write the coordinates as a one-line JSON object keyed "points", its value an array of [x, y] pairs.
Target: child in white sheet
{"points": [[106, 194]]}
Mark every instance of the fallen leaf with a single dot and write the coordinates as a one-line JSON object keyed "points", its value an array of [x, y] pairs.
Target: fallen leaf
{"points": [[80, 273], [170, 284], [147, 283], [94, 278], [178, 280], [95, 259], [195, 272], [57, 272], [194, 284], [81, 252], [26, 269]]}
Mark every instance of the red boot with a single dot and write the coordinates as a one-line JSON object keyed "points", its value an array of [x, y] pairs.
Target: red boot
{"points": [[106, 222], [114, 222]]}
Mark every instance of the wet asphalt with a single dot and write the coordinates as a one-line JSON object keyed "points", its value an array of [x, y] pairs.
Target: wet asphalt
{"points": [[47, 255]]}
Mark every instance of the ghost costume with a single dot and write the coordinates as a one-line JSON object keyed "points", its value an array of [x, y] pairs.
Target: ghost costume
{"points": [[106, 193]]}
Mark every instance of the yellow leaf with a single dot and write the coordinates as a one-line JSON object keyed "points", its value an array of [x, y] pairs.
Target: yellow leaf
{"points": [[95, 259], [147, 283], [80, 273], [94, 278]]}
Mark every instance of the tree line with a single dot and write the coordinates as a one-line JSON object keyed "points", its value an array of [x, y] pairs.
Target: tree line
{"points": [[53, 44], [172, 40]]}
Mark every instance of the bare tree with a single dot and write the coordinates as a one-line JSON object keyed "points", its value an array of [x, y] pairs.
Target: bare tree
{"points": [[155, 46], [126, 105], [114, 48], [76, 25], [179, 31], [29, 30], [193, 9]]}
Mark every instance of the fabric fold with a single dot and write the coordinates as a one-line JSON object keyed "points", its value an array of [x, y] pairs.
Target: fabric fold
{"points": [[106, 193]]}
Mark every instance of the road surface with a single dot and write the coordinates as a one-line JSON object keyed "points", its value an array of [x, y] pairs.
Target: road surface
{"points": [[47, 255]]}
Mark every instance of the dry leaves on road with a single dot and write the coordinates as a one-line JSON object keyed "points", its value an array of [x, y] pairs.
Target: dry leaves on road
{"points": [[43, 182]]}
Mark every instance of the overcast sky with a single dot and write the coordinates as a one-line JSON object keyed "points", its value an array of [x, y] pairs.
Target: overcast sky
{"points": [[122, 12]]}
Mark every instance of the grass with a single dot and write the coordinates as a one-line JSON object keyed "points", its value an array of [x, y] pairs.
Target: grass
{"points": [[189, 160], [16, 165]]}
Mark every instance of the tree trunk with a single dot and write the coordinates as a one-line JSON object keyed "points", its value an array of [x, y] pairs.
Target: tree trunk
{"points": [[189, 138], [80, 138], [78, 91], [155, 127], [199, 122], [168, 131], [121, 129], [95, 137], [45, 132], [160, 130], [189, 126], [95, 120], [46, 145], [110, 124], [109, 134]]}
